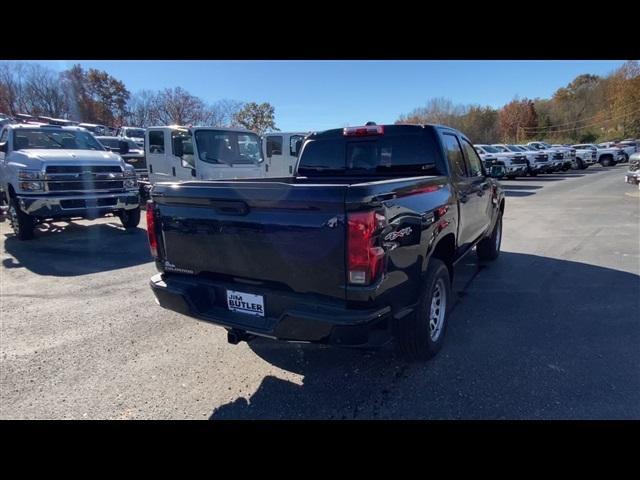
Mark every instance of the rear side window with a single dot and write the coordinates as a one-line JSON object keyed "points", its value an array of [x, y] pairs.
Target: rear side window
{"points": [[156, 141], [413, 154], [4, 136], [274, 145], [293, 144], [454, 154]]}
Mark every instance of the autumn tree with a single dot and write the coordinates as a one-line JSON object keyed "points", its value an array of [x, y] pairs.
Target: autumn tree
{"points": [[515, 117], [95, 96], [259, 118], [179, 107]]}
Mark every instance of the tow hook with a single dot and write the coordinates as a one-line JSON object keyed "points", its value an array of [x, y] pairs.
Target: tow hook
{"points": [[234, 337]]}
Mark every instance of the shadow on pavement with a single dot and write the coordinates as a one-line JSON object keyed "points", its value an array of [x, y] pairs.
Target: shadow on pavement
{"points": [[68, 249], [560, 343]]}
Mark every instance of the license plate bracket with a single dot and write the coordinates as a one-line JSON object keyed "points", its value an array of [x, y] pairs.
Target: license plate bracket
{"points": [[247, 303]]}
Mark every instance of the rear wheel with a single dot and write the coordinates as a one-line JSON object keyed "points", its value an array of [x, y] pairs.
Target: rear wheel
{"points": [[489, 248], [580, 164], [21, 223], [130, 218], [420, 336]]}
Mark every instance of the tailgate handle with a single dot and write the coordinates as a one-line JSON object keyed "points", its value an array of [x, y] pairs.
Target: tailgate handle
{"points": [[229, 208]]}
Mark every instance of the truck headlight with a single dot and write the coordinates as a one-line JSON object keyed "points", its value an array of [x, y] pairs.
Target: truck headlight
{"points": [[31, 186], [29, 174], [130, 182]]}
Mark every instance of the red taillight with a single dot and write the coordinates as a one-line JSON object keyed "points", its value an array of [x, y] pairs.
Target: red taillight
{"points": [[364, 260], [363, 131], [151, 229]]}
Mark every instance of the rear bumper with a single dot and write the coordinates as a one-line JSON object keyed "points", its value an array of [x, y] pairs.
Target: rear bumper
{"points": [[289, 316], [78, 205]]}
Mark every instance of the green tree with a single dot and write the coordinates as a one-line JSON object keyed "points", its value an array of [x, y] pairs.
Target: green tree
{"points": [[259, 118]]}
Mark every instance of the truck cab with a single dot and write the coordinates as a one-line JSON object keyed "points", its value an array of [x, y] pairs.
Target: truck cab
{"points": [[281, 151], [135, 134], [177, 153]]}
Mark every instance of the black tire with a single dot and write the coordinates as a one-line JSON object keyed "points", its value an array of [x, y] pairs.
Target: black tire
{"points": [[533, 173], [130, 218], [22, 224], [607, 161], [510, 177], [489, 248], [580, 164], [414, 336]]}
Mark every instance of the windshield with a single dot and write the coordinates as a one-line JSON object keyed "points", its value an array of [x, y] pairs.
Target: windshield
{"points": [[500, 148], [545, 145], [489, 149], [134, 133], [44, 138], [515, 148], [231, 148]]}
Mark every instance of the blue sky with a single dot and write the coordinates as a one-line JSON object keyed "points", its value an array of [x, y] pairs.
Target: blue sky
{"points": [[316, 95]]}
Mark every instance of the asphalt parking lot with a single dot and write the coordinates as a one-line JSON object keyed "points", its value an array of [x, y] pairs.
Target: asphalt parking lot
{"points": [[551, 330]]}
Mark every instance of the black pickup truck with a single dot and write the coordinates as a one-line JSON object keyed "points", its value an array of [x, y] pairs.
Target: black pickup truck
{"points": [[357, 249]]}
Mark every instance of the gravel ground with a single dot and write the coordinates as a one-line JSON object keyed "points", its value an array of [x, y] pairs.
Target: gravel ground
{"points": [[551, 330]]}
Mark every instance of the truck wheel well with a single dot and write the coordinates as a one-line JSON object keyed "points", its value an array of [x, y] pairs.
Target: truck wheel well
{"points": [[12, 192], [445, 250]]}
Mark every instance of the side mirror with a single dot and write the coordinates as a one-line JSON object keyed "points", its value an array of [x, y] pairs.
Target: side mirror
{"points": [[124, 147], [4, 147], [178, 149]]}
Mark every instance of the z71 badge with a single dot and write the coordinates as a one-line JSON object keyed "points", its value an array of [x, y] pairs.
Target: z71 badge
{"points": [[398, 234]]}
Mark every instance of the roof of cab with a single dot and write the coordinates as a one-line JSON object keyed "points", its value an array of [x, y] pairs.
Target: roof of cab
{"points": [[32, 126], [199, 127]]}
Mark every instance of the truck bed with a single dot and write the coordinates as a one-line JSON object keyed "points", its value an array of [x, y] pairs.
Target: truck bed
{"points": [[286, 234]]}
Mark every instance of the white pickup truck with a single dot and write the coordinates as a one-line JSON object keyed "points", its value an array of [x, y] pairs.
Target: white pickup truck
{"points": [[515, 163], [537, 162], [585, 156], [53, 172], [605, 156], [556, 156], [132, 133]]}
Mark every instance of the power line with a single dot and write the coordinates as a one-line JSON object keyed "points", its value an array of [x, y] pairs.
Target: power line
{"points": [[577, 121], [547, 130]]}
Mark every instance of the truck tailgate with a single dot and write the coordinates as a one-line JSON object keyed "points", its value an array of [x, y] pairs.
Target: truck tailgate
{"points": [[284, 236]]}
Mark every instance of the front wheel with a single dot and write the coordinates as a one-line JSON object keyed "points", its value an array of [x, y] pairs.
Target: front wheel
{"points": [[21, 223], [489, 248], [421, 335], [130, 218], [607, 162]]}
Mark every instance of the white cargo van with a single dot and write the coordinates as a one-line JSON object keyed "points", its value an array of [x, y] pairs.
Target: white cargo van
{"points": [[281, 152]]}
